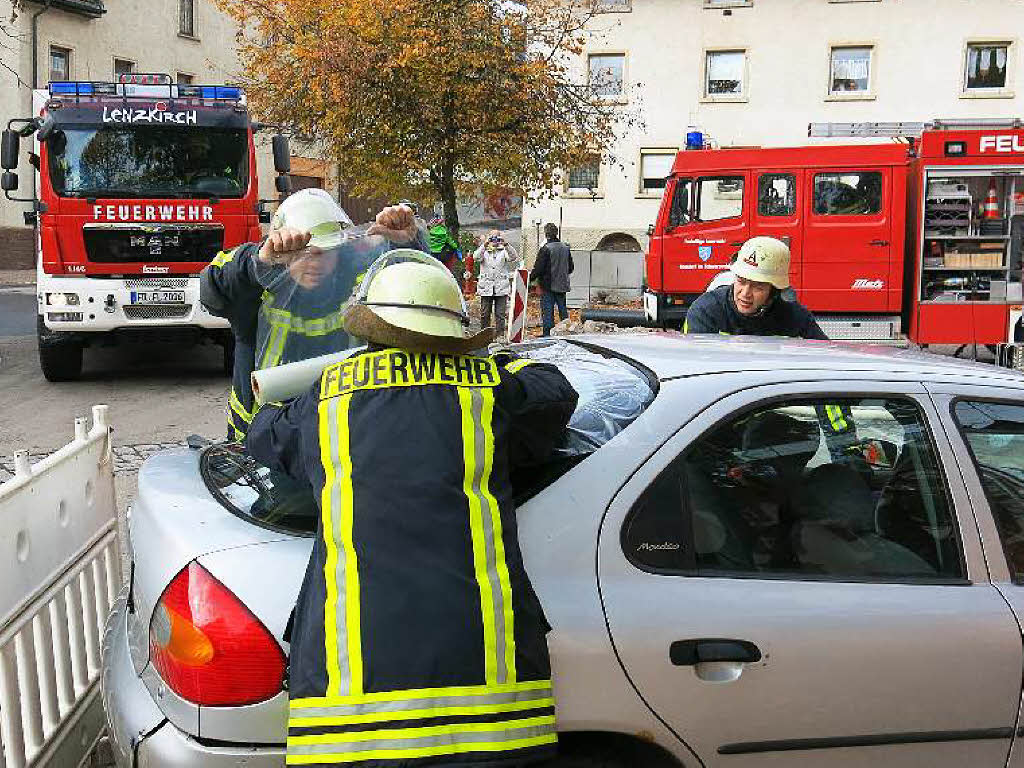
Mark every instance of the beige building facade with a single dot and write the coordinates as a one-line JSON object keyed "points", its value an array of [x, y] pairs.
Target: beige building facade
{"points": [[757, 72]]}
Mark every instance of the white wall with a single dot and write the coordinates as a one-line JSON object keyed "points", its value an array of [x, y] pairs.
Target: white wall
{"points": [[917, 71]]}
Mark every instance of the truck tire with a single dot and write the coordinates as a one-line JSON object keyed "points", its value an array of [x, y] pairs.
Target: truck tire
{"points": [[60, 358]]}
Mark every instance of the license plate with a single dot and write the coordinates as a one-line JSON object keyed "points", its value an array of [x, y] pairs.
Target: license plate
{"points": [[158, 297]]}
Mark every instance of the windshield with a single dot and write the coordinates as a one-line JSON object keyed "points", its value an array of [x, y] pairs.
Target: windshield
{"points": [[149, 162], [612, 394]]}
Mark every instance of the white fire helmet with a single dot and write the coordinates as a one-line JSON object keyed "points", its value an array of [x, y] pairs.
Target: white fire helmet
{"points": [[316, 212], [763, 260]]}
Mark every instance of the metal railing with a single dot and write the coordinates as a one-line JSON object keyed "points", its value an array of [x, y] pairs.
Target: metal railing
{"points": [[61, 564]]}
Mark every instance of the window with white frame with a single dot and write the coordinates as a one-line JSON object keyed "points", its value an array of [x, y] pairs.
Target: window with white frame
{"points": [[725, 74], [986, 67], [655, 167], [584, 178], [123, 67], [606, 72], [186, 18], [850, 70], [60, 63]]}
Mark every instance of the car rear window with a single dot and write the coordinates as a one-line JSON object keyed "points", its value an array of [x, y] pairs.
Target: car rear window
{"points": [[612, 391]]}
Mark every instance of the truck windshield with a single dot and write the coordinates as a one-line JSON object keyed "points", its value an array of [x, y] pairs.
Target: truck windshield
{"points": [[95, 161]]}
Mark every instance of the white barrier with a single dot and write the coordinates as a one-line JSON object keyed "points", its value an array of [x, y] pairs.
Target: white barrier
{"points": [[517, 307], [61, 571]]}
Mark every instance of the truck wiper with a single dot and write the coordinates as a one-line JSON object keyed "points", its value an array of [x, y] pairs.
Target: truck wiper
{"points": [[126, 192]]}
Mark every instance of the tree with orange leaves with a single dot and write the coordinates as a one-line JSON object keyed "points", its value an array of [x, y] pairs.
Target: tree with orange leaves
{"points": [[425, 98]]}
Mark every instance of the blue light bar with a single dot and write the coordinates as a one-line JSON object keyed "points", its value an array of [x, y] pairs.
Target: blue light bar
{"points": [[71, 89], [228, 92]]}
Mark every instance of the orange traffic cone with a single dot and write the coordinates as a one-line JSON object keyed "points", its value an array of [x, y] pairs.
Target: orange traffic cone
{"points": [[992, 204]]}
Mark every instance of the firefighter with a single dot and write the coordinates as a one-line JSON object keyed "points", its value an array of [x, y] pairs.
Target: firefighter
{"points": [[284, 296], [417, 638], [753, 305]]}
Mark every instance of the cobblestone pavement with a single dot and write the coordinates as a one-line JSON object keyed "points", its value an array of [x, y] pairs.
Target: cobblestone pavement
{"points": [[127, 458]]}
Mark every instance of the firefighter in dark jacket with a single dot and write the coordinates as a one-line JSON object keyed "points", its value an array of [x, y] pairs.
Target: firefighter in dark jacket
{"points": [[417, 639], [284, 297], [753, 306]]}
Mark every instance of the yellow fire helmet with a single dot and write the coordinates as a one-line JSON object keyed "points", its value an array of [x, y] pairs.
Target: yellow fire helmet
{"points": [[316, 212], [764, 260], [410, 300]]}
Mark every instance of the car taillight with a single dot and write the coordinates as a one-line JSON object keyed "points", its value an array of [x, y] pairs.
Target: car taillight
{"points": [[209, 648]]}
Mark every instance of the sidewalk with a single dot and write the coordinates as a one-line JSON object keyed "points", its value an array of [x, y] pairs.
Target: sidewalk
{"points": [[9, 277]]}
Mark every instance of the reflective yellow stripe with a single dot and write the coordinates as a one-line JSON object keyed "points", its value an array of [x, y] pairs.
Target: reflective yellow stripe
{"points": [[399, 754], [413, 733], [223, 258], [517, 365], [420, 693], [417, 714], [836, 418], [331, 559], [487, 417], [237, 407], [479, 543], [355, 650]]}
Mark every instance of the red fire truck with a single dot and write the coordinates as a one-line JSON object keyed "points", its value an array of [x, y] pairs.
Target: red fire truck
{"points": [[919, 239], [138, 184]]}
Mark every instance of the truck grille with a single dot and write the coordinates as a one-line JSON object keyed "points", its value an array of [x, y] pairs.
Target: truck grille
{"points": [[156, 312], [152, 283], [120, 244]]}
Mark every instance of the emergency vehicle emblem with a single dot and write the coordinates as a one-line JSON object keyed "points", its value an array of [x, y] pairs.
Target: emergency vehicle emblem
{"points": [[704, 252]]}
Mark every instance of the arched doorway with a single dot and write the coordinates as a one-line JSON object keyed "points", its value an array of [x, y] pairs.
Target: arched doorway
{"points": [[619, 242]]}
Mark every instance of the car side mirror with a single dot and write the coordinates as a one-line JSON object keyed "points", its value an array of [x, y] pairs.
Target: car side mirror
{"points": [[282, 154], [8, 181], [9, 149]]}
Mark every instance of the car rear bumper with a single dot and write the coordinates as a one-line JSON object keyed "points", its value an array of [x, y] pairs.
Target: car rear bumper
{"points": [[140, 734]]}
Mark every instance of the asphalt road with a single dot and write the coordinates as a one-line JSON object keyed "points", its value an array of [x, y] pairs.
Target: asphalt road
{"points": [[156, 393], [17, 311]]}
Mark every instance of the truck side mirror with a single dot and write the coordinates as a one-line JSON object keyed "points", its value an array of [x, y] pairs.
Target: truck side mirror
{"points": [[650, 230], [282, 154], [283, 184], [9, 148], [8, 181], [263, 212]]}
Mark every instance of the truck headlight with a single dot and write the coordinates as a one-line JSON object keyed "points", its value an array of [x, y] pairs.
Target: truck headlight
{"points": [[62, 299]]}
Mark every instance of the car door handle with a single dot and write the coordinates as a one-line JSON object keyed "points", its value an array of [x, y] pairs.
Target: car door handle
{"points": [[879, 242], [687, 653]]}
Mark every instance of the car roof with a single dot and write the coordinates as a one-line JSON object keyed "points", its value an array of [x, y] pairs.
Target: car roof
{"points": [[673, 355]]}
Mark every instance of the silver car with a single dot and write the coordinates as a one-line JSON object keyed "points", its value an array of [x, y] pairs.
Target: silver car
{"points": [[751, 552]]}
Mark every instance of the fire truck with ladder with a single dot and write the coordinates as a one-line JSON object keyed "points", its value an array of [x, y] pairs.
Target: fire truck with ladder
{"points": [[138, 184], [919, 239]]}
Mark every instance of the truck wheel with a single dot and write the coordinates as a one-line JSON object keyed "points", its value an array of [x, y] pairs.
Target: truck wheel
{"points": [[228, 347], [60, 359]]}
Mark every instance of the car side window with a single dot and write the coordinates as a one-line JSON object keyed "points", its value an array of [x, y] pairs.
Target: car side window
{"points": [[995, 433], [848, 193], [679, 213], [719, 197], [776, 194], [837, 488]]}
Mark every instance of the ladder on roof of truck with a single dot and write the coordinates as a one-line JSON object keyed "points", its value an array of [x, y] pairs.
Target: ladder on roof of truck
{"points": [[907, 129]]}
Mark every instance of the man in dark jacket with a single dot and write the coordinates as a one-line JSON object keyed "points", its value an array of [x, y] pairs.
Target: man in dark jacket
{"points": [[753, 306], [552, 270], [417, 639], [284, 296]]}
